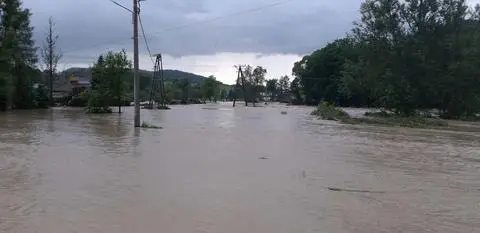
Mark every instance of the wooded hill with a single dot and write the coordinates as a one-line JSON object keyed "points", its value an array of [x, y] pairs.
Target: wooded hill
{"points": [[145, 76]]}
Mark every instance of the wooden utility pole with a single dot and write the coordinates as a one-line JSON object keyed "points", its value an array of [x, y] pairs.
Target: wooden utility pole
{"points": [[136, 83]]}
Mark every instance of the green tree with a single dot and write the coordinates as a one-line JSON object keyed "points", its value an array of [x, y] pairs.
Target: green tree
{"points": [[223, 94], [272, 88], [320, 72], [6, 91], [184, 86], [296, 90], [403, 56], [209, 88], [284, 88], [42, 99], [258, 79], [17, 56], [108, 84]]}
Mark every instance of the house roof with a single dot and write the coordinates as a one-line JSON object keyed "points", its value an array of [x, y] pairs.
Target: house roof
{"points": [[64, 87]]}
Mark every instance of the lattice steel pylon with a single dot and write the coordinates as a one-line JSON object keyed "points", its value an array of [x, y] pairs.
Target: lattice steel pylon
{"points": [[240, 84], [157, 90]]}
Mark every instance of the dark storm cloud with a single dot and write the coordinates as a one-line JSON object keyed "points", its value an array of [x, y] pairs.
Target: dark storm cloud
{"points": [[178, 27]]}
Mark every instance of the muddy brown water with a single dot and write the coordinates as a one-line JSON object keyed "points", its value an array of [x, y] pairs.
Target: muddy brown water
{"points": [[216, 169]]}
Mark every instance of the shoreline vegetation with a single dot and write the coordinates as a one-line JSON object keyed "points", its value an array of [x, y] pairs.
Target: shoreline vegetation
{"points": [[327, 111], [400, 56], [421, 120]]}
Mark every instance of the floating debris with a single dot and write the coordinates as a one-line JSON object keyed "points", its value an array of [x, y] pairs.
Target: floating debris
{"points": [[352, 190], [149, 126], [284, 112], [263, 157]]}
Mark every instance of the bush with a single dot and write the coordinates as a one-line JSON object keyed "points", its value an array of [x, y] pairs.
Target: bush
{"points": [[78, 101], [99, 110], [41, 97], [328, 111], [97, 102], [411, 122], [377, 114]]}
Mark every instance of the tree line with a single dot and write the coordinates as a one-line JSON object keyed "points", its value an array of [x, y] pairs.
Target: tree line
{"points": [[111, 85], [23, 86], [18, 60], [402, 56]]}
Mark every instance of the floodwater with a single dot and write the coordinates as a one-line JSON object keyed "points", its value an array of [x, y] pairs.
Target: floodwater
{"points": [[214, 169]]}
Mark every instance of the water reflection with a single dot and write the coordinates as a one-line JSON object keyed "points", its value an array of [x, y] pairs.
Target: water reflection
{"points": [[64, 171]]}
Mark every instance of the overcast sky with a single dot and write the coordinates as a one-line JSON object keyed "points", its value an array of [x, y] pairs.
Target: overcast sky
{"points": [[206, 37]]}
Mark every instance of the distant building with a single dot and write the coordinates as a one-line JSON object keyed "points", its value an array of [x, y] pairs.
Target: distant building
{"points": [[79, 84], [71, 86]]}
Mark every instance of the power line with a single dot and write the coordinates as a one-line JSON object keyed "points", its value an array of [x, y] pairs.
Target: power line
{"points": [[145, 39], [120, 5], [274, 4]]}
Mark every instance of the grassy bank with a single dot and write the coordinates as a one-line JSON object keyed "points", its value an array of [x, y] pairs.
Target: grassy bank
{"points": [[328, 111]]}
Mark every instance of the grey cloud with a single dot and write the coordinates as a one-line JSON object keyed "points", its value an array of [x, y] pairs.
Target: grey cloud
{"points": [[90, 27]]}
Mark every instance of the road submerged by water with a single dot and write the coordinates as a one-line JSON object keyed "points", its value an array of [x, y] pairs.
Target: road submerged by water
{"points": [[64, 171]]}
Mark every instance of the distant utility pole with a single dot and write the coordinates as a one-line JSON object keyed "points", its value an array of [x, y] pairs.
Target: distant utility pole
{"points": [[136, 83]]}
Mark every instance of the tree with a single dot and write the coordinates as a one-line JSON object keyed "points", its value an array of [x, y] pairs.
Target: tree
{"points": [[51, 55], [108, 84], [403, 56], [117, 69], [258, 80], [41, 96], [320, 72], [271, 88], [284, 88], [296, 90], [209, 88], [184, 86], [17, 56], [223, 94]]}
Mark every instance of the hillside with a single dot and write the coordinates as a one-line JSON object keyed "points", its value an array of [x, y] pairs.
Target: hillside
{"points": [[169, 74]]}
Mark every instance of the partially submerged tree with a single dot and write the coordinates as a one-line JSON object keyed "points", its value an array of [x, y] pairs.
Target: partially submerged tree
{"points": [[108, 84], [209, 88], [51, 55], [272, 88], [284, 88], [402, 56]]}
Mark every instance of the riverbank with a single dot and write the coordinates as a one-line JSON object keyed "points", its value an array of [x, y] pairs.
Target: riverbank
{"points": [[328, 111]]}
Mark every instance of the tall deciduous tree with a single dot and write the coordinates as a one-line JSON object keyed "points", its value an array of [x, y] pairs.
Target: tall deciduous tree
{"points": [[51, 55], [108, 84]]}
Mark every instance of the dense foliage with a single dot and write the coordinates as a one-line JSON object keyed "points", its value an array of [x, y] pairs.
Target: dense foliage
{"points": [[403, 56], [279, 89], [108, 83], [17, 57], [210, 88]]}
